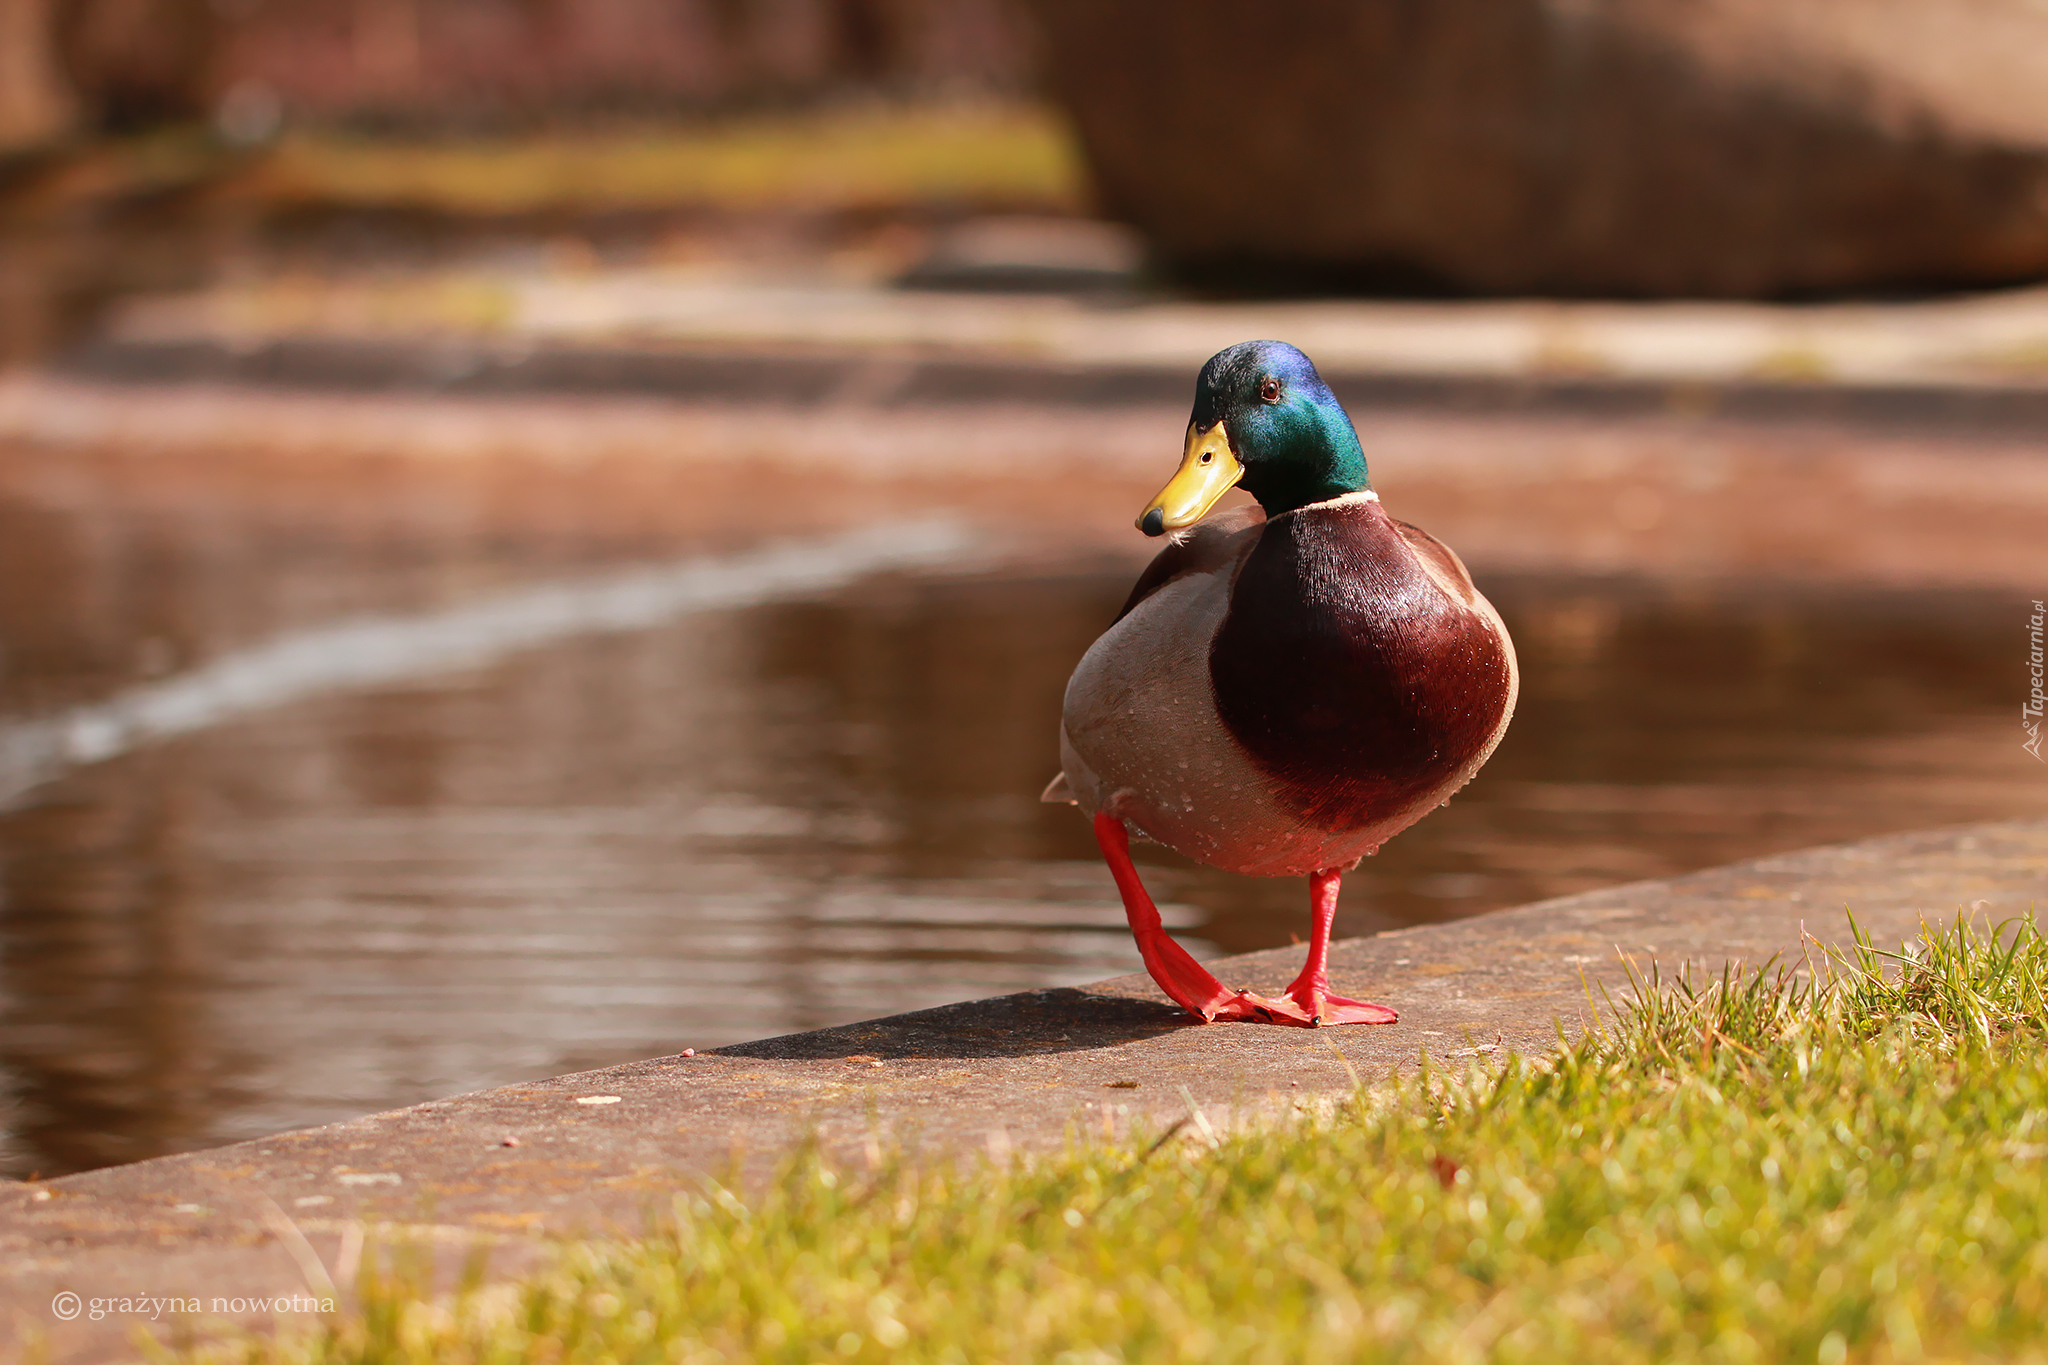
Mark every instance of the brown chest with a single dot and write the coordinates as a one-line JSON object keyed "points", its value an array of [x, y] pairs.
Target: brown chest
{"points": [[1348, 674]]}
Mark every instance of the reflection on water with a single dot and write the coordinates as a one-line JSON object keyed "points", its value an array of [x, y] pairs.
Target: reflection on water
{"points": [[783, 816]]}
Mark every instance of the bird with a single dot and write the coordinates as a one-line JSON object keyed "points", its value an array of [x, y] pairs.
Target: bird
{"points": [[1289, 685]]}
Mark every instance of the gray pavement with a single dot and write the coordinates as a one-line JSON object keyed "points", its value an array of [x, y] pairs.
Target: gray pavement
{"points": [[813, 337], [510, 1169], [1998, 337]]}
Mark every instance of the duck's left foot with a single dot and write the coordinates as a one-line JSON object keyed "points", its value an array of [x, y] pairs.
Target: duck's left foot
{"points": [[1340, 1009], [1308, 1001], [1303, 1009]]}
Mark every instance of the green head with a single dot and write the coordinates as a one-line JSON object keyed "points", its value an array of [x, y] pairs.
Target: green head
{"points": [[1266, 420]]}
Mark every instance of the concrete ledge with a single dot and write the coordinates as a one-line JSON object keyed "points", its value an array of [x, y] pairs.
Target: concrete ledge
{"points": [[737, 373], [1019, 1072]]}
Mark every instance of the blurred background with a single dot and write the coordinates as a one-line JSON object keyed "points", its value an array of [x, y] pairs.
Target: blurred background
{"points": [[536, 534]]}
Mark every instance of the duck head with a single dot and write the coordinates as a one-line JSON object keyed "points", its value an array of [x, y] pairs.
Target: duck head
{"points": [[1264, 419]]}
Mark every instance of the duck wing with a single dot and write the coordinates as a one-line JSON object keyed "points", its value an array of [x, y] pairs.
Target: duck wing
{"points": [[1440, 562], [1205, 547], [1212, 544]]}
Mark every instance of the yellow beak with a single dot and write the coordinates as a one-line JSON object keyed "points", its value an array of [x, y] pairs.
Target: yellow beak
{"points": [[1207, 471]]}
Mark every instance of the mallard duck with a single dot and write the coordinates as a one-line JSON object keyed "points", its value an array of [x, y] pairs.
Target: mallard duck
{"points": [[1289, 685]]}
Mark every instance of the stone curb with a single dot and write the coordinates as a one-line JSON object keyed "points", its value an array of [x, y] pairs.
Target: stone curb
{"points": [[881, 379], [509, 1168]]}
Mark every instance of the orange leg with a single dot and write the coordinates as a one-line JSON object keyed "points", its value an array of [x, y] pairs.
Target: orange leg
{"points": [[1311, 990], [1308, 1001], [1187, 981]]}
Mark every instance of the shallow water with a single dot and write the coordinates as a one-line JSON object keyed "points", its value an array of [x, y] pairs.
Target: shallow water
{"points": [[748, 820]]}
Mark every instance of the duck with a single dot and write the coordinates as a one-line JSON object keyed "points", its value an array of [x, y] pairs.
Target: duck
{"points": [[1290, 683]]}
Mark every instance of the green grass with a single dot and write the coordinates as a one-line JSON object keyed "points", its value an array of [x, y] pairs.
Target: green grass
{"points": [[993, 156], [1749, 1169]]}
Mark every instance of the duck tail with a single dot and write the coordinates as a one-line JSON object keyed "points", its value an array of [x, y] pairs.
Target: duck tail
{"points": [[1059, 792]]}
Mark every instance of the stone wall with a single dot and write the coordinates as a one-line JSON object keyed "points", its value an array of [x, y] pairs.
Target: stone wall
{"points": [[1627, 147]]}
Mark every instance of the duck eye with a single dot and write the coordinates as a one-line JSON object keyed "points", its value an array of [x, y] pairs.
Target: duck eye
{"points": [[1270, 391]]}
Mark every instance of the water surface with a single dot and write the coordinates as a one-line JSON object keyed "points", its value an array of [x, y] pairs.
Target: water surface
{"points": [[749, 821]]}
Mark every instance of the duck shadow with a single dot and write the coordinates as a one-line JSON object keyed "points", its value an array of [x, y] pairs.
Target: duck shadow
{"points": [[1029, 1023]]}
